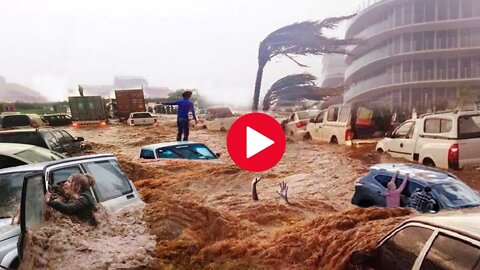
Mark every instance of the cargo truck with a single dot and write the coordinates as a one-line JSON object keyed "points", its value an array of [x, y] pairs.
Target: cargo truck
{"points": [[88, 110], [129, 101]]}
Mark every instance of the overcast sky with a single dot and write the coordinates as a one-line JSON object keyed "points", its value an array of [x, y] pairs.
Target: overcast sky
{"points": [[210, 45]]}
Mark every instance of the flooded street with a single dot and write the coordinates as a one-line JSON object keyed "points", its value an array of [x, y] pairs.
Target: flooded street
{"points": [[203, 216]]}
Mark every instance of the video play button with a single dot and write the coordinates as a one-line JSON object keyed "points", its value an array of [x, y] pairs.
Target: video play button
{"points": [[256, 142]]}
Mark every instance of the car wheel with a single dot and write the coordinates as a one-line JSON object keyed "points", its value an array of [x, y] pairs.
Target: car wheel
{"points": [[380, 151], [307, 137], [334, 140], [428, 162], [222, 129]]}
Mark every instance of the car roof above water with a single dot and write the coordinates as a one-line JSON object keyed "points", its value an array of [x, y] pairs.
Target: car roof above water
{"points": [[41, 166], [418, 172], [153, 147]]}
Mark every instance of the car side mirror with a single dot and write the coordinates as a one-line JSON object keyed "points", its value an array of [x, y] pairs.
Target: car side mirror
{"points": [[79, 139], [218, 155], [363, 258], [389, 134], [312, 120]]}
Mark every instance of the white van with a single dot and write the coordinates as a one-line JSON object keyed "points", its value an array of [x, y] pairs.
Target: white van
{"points": [[448, 140], [332, 125]]}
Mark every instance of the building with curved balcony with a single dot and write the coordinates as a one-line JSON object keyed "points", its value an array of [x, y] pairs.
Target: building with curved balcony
{"points": [[414, 54]]}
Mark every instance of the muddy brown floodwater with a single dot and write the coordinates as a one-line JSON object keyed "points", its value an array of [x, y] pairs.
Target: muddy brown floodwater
{"points": [[203, 217]]}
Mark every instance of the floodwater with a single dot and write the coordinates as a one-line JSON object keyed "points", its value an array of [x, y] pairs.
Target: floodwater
{"points": [[203, 217]]}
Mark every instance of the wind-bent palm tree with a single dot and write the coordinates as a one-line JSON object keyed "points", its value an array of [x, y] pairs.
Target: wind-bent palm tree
{"points": [[291, 88], [305, 38]]}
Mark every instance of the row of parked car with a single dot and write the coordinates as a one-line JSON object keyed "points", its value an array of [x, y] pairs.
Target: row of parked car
{"points": [[447, 140]]}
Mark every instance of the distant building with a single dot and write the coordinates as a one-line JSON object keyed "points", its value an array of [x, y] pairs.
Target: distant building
{"points": [[13, 92], [333, 70], [129, 82], [414, 54]]}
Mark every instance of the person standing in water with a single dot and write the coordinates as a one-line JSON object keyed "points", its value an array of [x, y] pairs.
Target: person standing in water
{"points": [[184, 107], [392, 195], [78, 186]]}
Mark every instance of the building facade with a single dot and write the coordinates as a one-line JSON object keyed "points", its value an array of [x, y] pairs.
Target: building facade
{"points": [[415, 54]]}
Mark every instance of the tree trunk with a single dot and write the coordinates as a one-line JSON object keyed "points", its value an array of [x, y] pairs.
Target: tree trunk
{"points": [[258, 86]]}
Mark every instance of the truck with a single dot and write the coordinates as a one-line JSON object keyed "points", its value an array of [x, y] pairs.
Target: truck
{"points": [[88, 110], [129, 101], [448, 140]]}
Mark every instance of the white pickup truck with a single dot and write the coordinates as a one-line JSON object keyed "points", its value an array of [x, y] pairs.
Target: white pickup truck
{"points": [[448, 140], [141, 119]]}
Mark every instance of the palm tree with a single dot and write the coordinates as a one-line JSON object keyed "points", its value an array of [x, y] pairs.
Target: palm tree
{"points": [[291, 88], [305, 38]]}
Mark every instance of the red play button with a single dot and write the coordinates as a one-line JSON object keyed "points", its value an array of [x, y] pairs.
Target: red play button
{"points": [[256, 142]]}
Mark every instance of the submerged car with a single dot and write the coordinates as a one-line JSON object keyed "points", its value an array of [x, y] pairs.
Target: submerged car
{"points": [[22, 190], [447, 241], [57, 140], [448, 191], [57, 120], [220, 118], [141, 119], [15, 154], [178, 150]]}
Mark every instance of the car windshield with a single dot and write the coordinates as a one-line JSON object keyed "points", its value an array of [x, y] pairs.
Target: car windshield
{"points": [[141, 115], [307, 114], [455, 195], [192, 151], [10, 193], [469, 127], [35, 155]]}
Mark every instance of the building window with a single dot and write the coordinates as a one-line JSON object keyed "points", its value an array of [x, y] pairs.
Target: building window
{"points": [[476, 37], [407, 71], [441, 69], [454, 9], [398, 16], [442, 10], [397, 73], [465, 38], [452, 69], [452, 39], [476, 9], [407, 42], [476, 67], [419, 11], [441, 39], [418, 41], [407, 13], [397, 48], [428, 70], [467, 6], [465, 68], [429, 43], [417, 70], [430, 10]]}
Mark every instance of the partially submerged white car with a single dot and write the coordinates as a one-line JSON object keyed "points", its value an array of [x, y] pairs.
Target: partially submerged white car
{"points": [[16, 154], [191, 151], [220, 118], [449, 140], [141, 119]]}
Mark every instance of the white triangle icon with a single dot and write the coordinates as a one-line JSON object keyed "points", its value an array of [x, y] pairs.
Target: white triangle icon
{"points": [[256, 142]]}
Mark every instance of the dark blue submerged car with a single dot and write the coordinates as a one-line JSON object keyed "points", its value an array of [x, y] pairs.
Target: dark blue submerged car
{"points": [[448, 191]]}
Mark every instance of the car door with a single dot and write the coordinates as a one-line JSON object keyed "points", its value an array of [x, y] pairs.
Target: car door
{"points": [[402, 143], [64, 142], [52, 142], [32, 207], [469, 139], [318, 127], [402, 250], [290, 125], [76, 146]]}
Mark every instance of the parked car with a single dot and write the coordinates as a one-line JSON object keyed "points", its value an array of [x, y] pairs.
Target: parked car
{"points": [[57, 140], [23, 188], [14, 154], [57, 120], [295, 126], [447, 190], [448, 140], [178, 150], [219, 118], [449, 241], [141, 118], [21, 121]]}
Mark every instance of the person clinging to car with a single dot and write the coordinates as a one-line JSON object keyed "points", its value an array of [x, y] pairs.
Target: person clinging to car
{"points": [[78, 186], [392, 195]]}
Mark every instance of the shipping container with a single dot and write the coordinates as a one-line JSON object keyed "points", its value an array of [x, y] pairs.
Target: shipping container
{"points": [[88, 110], [129, 101]]}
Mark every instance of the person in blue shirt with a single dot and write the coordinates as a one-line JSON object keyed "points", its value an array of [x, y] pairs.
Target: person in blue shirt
{"points": [[184, 107]]}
